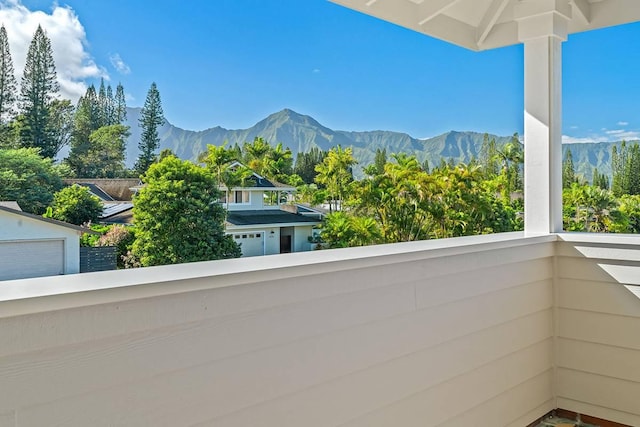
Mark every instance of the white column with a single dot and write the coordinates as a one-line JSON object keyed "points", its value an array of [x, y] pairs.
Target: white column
{"points": [[542, 27]]}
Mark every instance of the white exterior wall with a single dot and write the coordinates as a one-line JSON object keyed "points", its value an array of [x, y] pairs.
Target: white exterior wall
{"points": [[598, 327], [424, 333], [301, 238], [15, 227], [256, 202]]}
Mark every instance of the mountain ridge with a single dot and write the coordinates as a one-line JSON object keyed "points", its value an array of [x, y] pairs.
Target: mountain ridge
{"points": [[301, 132]]}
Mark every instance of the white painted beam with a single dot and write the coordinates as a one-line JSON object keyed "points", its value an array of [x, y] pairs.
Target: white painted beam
{"points": [[490, 18], [583, 9], [430, 9]]}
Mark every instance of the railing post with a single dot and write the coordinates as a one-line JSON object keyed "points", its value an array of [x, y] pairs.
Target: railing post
{"points": [[542, 27]]}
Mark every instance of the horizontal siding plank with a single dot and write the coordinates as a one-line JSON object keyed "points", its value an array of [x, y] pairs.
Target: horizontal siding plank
{"points": [[599, 359], [599, 412], [357, 395], [445, 401], [620, 331], [594, 251], [461, 285], [598, 270], [66, 327], [532, 397], [239, 382], [603, 297], [80, 368], [606, 392], [72, 326]]}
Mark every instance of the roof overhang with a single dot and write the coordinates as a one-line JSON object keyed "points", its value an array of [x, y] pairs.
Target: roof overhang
{"points": [[488, 24]]}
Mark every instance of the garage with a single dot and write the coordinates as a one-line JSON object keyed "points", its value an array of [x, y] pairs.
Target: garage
{"points": [[43, 258], [252, 244], [34, 246]]}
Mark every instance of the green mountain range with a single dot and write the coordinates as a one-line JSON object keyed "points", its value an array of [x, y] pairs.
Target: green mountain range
{"points": [[301, 133]]}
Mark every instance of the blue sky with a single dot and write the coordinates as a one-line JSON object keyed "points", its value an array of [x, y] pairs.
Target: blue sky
{"points": [[231, 63]]}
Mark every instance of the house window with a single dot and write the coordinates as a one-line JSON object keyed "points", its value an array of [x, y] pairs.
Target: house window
{"points": [[241, 197]]}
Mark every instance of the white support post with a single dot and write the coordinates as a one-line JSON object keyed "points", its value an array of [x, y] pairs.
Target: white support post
{"points": [[542, 27]]}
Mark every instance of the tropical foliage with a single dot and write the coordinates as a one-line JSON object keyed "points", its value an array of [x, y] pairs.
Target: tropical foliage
{"points": [[75, 205], [177, 216], [28, 178]]}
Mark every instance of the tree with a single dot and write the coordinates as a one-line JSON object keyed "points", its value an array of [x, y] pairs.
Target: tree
{"points": [[335, 174], [151, 118], [120, 107], [568, 170], [8, 86], [488, 157], [600, 180], [104, 155], [75, 205], [38, 90], [632, 171], [218, 161], [618, 167], [28, 178], [306, 163], [177, 216], [61, 114]]}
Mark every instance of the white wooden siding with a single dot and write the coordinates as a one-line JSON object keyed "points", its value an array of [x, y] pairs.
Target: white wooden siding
{"points": [[598, 345], [433, 333]]}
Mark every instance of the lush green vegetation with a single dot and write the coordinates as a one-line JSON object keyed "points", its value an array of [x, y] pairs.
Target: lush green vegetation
{"points": [[177, 216], [75, 205]]}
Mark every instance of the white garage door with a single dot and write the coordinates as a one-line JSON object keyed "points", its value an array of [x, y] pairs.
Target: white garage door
{"points": [[19, 260], [252, 244]]}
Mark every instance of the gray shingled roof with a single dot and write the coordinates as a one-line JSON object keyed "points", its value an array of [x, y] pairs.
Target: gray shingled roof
{"points": [[260, 217]]}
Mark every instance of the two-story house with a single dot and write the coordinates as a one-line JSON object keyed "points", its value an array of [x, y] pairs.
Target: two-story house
{"points": [[263, 221]]}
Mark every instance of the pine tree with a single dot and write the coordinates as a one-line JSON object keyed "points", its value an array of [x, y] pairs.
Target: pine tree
{"points": [[102, 105], [110, 108], [632, 171], [38, 90], [568, 171], [619, 182], [8, 86], [120, 106], [151, 118]]}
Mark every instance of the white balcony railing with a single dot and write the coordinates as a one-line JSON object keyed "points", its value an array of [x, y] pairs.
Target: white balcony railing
{"points": [[487, 330]]}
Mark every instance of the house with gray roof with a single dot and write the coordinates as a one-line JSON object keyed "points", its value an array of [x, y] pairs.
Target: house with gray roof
{"points": [[263, 221]]}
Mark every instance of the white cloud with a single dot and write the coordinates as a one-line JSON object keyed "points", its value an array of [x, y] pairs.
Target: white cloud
{"points": [[623, 123], [316, 70], [618, 134], [566, 139], [119, 64], [68, 43]]}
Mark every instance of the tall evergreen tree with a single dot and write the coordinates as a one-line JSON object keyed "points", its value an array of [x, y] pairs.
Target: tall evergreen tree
{"points": [[103, 107], [120, 106], [110, 108], [151, 118], [306, 164], [568, 170], [632, 171], [8, 86], [38, 90]]}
